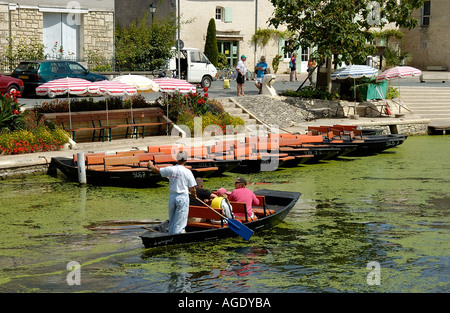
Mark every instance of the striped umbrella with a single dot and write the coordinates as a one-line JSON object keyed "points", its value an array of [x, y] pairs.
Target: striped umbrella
{"points": [[141, 83], [355, 72], [399, 72], [171, 85], [111, 88], [62, 86]]}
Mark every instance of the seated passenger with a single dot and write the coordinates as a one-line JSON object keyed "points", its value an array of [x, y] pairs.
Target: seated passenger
{"points": [[204, 195], [242, 194]]}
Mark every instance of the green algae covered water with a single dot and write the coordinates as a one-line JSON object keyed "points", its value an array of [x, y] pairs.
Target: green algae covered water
{"points": [[369, 224]]}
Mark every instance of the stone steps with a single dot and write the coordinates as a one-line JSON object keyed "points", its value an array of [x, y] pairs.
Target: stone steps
{"points": [[432, 103], [232, 108]]}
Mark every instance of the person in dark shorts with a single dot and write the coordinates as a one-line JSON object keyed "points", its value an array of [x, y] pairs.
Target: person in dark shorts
{"points": [[241, 71]]}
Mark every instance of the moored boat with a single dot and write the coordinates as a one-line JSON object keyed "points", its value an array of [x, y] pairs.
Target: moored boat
{"points": [[136, 177], [365, 144], [278, 203]]}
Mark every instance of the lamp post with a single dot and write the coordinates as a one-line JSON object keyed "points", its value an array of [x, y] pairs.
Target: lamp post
{"points": [[179, 41], [153, 9]]}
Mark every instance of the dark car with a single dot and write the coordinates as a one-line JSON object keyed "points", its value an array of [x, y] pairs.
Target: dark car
{"points": [[8, 83], [36, 73]]}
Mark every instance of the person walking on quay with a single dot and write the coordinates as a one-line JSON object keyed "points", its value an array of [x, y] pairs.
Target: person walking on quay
{"points": [[311, 66], [293, 67], [181, 184], [241, 71], [260, 69]]}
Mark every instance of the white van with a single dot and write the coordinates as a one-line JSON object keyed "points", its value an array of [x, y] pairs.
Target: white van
{"points": [[195, 66]]}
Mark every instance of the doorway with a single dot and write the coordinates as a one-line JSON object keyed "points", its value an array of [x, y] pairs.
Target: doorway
{"points": [[231, 51], [60, 38]]}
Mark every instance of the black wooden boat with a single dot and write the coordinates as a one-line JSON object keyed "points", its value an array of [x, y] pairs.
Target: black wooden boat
{"points": [[281, 202], [368, 145], [130, 176], [137, 177], [367, 142]]}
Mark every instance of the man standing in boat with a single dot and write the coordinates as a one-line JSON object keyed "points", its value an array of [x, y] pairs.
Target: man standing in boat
{"points": [[181, 184]]}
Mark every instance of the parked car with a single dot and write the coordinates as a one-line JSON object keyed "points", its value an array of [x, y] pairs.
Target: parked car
{"points": [[36, 73], [8, 83]]}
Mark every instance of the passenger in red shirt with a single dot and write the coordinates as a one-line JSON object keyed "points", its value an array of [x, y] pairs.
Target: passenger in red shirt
{"points": [[242, 194]]}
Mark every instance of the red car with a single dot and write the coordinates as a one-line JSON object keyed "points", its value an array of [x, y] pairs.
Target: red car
{"points": [[8, 83]]}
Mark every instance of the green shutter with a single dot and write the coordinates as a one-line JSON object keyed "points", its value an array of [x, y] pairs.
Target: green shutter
{"points": [[228, 15], [281, 46]]}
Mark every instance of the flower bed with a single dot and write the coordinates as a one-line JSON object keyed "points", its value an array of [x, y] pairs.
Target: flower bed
{"points": [[25, 141], [26, 132], [184, 108]]}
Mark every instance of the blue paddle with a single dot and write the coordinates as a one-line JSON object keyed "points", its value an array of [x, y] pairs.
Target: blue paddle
{"points": [[234, 225]]}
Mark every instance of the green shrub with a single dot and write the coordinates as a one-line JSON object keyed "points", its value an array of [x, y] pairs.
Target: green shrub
{"points": [[184, 108], [392, 93], [10, 116], [310, 92]]}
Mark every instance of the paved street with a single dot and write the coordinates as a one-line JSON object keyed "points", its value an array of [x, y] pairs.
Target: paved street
{"points": [[215, 91]]}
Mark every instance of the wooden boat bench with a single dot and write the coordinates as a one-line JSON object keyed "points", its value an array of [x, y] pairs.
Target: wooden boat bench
{"points": [[168, 159], [262, 209], [207, 217], [240, 212], [112, 162]]}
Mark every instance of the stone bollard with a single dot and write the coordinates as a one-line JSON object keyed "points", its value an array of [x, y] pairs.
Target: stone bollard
{"points": [[267, 86], [81, 166]]}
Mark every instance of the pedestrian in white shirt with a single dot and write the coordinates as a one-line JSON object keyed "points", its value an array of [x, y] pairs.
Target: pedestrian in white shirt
{"points": [[181, 183], [241, 71]]}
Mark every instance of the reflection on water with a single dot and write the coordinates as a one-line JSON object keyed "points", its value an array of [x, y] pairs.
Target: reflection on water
{"points": [[391, 208]]}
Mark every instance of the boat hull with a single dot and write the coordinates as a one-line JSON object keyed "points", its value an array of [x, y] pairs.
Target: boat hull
{"points": [[279, 201], [138, 178]]}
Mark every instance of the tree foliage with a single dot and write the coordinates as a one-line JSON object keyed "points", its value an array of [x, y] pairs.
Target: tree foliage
{"points": [[211, 50], [340, 27], [143, 46]]}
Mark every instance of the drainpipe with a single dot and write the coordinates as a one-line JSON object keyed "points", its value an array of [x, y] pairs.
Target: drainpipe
{"points": [[256, 28]]}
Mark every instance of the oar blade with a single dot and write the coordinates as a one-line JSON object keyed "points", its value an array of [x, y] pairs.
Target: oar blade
{"points": [[240, 229]]}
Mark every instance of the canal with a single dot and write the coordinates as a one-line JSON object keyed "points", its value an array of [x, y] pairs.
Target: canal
{"points": [[363, 224]]}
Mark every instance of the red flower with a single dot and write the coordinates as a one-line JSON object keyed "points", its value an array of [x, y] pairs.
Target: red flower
{"points": [[15, 112], [206, 94], [205, 89]]}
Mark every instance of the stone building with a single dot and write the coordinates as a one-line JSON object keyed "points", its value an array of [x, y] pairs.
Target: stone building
{"points": [[69, 29], [236, 23], [429, 42]]}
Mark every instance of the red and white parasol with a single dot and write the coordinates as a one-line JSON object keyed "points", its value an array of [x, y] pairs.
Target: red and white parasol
{"points": [[111, 88], [62, 86], [398, 72], [172, 85]]}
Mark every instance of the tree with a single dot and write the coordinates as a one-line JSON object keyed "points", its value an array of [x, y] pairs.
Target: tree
{"points": [[144, 47], [340, 29], [211, 50]]}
